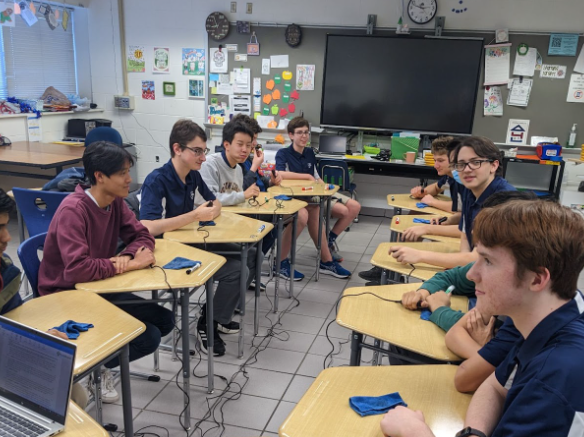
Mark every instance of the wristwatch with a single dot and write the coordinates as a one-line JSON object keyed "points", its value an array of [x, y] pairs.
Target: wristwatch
{"points": [[468, 431]]}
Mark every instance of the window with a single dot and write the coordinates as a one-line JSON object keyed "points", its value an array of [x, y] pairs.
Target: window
{"points": [[34, 58]]}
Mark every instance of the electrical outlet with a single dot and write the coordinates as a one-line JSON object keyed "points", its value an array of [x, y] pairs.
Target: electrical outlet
{"points": [[157, 158], [233, 7], [249, 8]]}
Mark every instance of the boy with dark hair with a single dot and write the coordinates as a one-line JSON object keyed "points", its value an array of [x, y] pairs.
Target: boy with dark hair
{"points": [[175, 195], [9, 273], [537, 389], [81, 247], [298, 162]]}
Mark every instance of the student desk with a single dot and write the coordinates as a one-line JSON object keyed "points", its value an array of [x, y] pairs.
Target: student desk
{"points": [[392, 323], [407, 221], [324, 409], [267, 205], [113, 330], [294, 188], [382, 258], [230, 228], [175, 281], [44, 156], [80, 424], [404, 201]]}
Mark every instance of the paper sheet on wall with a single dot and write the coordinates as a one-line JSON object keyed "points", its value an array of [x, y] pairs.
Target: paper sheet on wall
{"points": [[563, 44], [279, 61], [265, 66], [497, 64], [240, 104], [520, 92], [517, 132], [493, 101], [34, 128], [576, 89], [579, 67], [263, 120], [525, 65], [241, 80], [257, 86], [549, 71], [218, 61], [305, 77]]}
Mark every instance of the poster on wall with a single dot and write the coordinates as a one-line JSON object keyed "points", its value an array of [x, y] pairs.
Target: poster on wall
{"points": [[493, 101], [135, 60], [517, 132], [148, 90], [576, 89], [7, 17], [161, 61], [197, 88], [218, 62], [305, 77], [193, 62]]}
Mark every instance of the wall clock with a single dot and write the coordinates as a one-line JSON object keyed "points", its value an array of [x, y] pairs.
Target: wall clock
{"points": [[422, 11], [293, 35], [217, 25]]}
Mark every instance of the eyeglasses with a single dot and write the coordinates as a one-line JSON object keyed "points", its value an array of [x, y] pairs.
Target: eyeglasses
{"points": [[197, 151], [473, 165], [302, 133]]}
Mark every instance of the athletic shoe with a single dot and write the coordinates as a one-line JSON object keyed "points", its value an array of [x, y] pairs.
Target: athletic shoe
{"points": [[285, 271], [374, 274], [252, 286], [229, 328], [109, 394], [334, 269], [337, 257], [218, 344]]}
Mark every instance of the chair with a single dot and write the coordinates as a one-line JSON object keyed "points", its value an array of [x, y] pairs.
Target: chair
{"points": [[336, 171], [36, 218], [103, 133], [29, 259]]}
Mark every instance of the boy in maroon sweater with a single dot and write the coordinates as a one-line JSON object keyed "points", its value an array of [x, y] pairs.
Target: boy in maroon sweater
{"points": [[82, 240]]}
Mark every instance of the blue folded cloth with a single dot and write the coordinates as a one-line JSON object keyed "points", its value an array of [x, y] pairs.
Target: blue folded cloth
{"points": [[371, 405], [282, 197], [208, 223], [421, 205], [180, 263], [73, 329], [425, 314], [419, 220]]}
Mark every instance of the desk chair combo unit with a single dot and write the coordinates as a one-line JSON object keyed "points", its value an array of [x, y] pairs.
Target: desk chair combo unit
{"points": [[336, 171]]}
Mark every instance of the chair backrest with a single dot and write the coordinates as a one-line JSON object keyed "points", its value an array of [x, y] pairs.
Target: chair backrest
{"points": [[335, 171], [29, 259], [103, 133], [37, 215]]}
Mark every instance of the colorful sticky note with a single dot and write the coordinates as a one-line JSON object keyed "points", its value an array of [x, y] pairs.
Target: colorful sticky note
{"points": [[283, 112], [279, 139], [266, 110], [267, 99], [287, 75], [285, 98], [295, 95], [291, 108], [272, 125], [256, 115], [288, 87], [277, 79], [276, 94], [270, 84], [275, 110]]}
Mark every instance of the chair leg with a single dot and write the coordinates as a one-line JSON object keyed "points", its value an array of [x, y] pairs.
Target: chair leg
{"points": [[354, 197]]}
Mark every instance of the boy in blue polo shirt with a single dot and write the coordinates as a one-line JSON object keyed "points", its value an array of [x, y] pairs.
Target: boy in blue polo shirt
{"points": [[174, 196], [537, 390], [298, 162], [9, 273], [478, 162]]}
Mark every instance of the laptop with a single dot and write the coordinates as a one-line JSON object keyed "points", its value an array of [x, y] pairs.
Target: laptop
{"points": [[332, 145], [36, 376]]}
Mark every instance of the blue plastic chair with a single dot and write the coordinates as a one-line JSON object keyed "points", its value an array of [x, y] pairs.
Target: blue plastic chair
{"points": [[103, 133], [336, 171], [29, 259], [37, 219]]}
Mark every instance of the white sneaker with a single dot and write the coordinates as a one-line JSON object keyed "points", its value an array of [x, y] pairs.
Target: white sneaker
{"points": [[109, 394]]}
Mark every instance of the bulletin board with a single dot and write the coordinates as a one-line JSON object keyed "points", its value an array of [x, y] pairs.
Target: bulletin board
{"points": [[548, 111]]}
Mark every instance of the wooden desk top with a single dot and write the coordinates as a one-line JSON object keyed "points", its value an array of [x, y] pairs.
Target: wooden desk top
{"points": [[324, 410], [40, 154], [382, 258], [229, 228], [391, 322], [81, 424], [407, 221], [267, 208], [294, 188], [154, 279], [113, 328], [406, 202]]}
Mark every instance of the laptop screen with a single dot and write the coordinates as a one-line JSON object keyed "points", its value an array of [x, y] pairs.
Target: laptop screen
{"points": [[36, 369], [332, 144]]}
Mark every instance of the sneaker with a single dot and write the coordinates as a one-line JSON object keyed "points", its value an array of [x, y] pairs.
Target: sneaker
{"points": [[109, 394], [218, 344], [285, 271], [252, 286], [229, 328], [334, 269], [374, 274], [80, 395], [337, 257]]}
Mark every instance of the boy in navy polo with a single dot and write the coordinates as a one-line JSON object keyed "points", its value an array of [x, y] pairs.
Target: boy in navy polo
{"points": [[174, 196], [9, 273], [298, 162], [477, 161], [537, 390]]}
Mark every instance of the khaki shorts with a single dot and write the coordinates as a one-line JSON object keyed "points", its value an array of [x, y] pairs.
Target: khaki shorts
{"points": [[337, 197]]}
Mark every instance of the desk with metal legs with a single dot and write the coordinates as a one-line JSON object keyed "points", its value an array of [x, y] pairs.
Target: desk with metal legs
{"points": [[404, 201], [399, 223]]}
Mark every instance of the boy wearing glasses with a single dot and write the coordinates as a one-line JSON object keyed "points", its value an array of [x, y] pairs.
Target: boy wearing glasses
{"points": [[477, 161], [175, 195], [299, 163]]}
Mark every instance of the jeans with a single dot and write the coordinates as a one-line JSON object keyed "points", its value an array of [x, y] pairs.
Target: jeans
{"points": [[159, 322]]}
